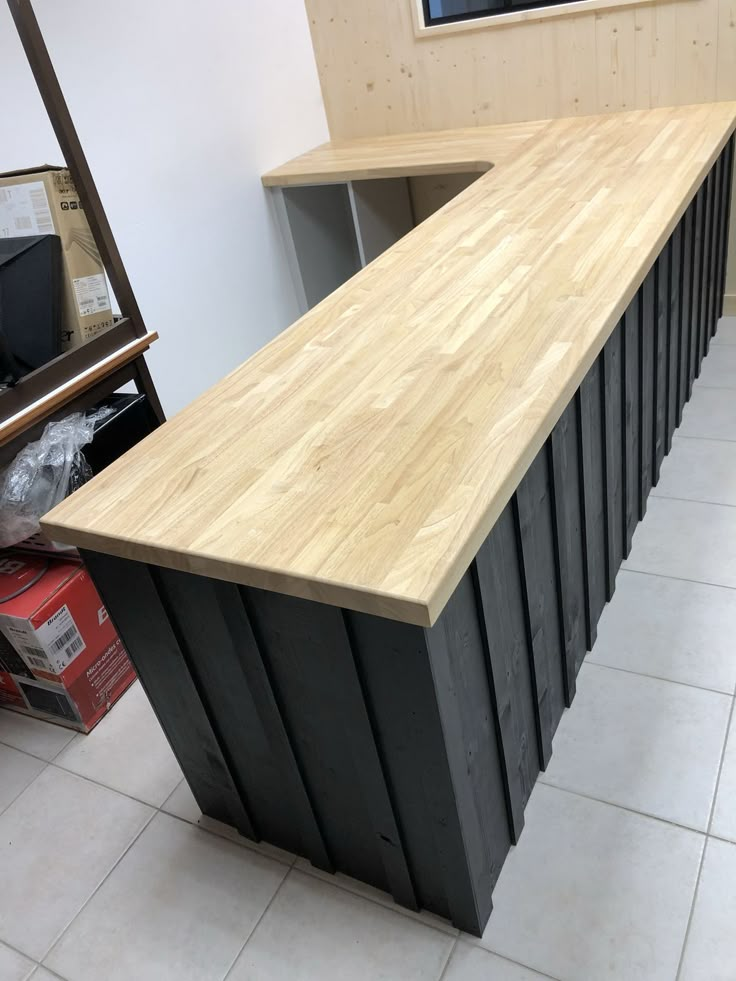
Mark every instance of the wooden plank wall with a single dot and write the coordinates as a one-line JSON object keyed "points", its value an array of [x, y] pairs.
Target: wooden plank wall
{"points": [[377, 77], [405, 756]]}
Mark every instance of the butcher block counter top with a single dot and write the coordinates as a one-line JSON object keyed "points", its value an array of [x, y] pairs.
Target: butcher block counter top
{"points": [[361, 458]]}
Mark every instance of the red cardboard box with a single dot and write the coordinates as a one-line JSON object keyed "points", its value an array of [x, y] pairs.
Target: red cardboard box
{"points": [[60, 656]]}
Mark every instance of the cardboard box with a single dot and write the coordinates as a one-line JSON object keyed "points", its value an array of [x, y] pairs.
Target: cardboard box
{"points": [[44, 201], [65, 661]]}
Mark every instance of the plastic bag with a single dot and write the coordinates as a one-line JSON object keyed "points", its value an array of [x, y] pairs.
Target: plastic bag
{"points": [[44, 473]]}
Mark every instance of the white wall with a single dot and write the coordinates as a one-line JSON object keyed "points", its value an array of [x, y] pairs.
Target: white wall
{"points": [[180, 106]]}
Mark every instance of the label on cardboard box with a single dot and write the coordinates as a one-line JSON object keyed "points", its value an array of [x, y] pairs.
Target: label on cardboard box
{"points": [[24, 210], [91, 295], [60, 639]]}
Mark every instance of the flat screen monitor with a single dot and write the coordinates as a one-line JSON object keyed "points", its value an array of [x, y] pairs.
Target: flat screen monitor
{"points": [[30, 304]]}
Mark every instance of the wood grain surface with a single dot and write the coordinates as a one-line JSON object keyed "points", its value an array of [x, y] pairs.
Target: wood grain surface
{"points": [[363, 456]]}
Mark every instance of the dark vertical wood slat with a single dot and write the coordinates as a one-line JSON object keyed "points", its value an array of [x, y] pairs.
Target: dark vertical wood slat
{"points": [[688, 257], [498, 571], [721, 226], [568, 503], [434, 718], [395, 667], [632, 413], [591, 456], [728, 164], [673, 346], [459, 668], [661, 336], [306, 650], [707, 264], [697, 284], [536, 535], [613, 414], [715, 179], [232, 680], [132, 599], [648, 366]]}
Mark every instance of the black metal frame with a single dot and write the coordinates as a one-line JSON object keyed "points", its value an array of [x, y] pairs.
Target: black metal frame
{"points": [[508, 6]]}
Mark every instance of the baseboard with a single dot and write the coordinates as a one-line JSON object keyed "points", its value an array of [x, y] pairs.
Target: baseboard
{"points": [[729, 305]]}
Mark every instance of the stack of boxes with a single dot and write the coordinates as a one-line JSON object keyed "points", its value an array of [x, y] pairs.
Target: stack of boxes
{"points": [[60, 656]]}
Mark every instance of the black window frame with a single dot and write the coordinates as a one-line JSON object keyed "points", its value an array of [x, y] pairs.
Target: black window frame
{"points": [[508, 8]]}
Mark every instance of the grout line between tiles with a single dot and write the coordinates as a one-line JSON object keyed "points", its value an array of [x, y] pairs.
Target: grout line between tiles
{"points": [[453, 946], [705, 845], [23, 790], [691, 500], [106, 786], [21, 953], [656, 677], [100, 884], [661, 575], [228, 972], [708, 439], [475, 942], [28, 752], [542, 778]]}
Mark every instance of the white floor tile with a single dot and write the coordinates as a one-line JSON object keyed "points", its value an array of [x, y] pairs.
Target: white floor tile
{"points": [[42, 974], [670, 628], [700, 470], [317, 932], [178, 907], [710, 951], [476, 964], [182, 804], [42, 739], [650, 745], [17, 770], [686, 540], [57, 842], [726, 333], [13, 966], [719, 367], [724, 812], [710, 413], [126, 751], [594, 893]]}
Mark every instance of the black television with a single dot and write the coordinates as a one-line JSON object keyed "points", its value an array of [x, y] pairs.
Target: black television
{"points": [[30, 304]]}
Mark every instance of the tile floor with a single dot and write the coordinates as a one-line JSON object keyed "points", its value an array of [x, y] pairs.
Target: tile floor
{"points": [[626, 868]]}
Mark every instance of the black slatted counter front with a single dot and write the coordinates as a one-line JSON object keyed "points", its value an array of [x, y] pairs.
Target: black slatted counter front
{"points": [[404, 756]]}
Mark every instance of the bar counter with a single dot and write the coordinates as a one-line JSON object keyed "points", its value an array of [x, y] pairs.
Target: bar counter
{"points": [[359, 575]]}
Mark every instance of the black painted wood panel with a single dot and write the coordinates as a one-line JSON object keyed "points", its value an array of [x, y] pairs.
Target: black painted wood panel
{"points": [[614, 412], [697, 284], [661, 357], [233, 683], [648, 364], [129, 591], [503, 608], [673, 334], [567, 493], [534, 511], [686, 303], [594, 521], [707, 282], [632, 418]]}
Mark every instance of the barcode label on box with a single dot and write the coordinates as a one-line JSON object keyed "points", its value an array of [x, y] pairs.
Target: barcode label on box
{"points": [[61, 639], [24, 210], [91, 294], [35, 658]]}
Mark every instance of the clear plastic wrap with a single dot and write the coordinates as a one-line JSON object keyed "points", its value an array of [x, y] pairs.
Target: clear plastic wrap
{"points": [[44, 473]]}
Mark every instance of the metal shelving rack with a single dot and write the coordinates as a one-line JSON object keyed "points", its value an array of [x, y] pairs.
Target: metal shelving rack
{"points": [[81, 377]]}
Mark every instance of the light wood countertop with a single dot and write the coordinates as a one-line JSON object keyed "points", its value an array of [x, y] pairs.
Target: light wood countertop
{"points": [[362, 457]]}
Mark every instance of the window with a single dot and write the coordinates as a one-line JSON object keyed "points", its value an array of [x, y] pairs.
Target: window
{"points": [[438, 12]]}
